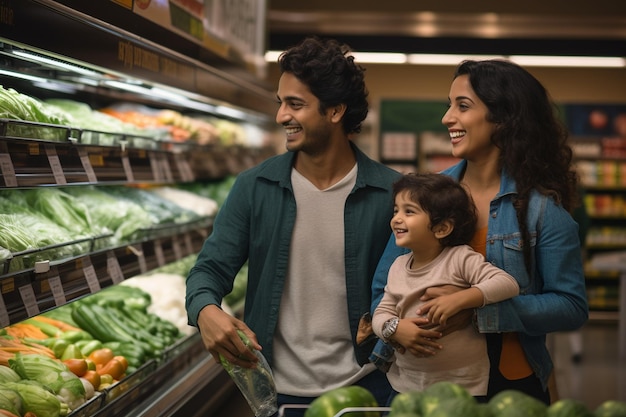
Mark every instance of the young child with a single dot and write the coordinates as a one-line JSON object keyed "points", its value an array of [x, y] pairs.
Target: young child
{"points": [[435, 218]]}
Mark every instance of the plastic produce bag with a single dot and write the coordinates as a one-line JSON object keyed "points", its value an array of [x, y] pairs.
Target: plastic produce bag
{"points": [[256, 385]]}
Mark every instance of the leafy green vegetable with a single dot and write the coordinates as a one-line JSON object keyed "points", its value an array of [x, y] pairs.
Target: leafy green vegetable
{"points": [[8, 375], [18, 106], [53, 375], [123, 217], [161, 211], [10, 400], [86, 118], [36, 398], [63, 208]]}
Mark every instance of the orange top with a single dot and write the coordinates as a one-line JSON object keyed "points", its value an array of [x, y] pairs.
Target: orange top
{"points": [[513, 362]]}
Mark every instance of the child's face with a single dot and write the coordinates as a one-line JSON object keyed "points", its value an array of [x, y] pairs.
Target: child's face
{"points": [[411, 225]]}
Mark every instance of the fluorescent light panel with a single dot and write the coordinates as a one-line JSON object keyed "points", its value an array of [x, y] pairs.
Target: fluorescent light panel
{"points": [[54, 63], [451, 59]]}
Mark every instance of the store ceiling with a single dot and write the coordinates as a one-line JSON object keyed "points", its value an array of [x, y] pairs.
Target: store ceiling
{"points": [[531, 27]]}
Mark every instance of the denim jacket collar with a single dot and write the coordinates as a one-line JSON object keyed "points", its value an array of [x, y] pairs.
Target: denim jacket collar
{"points": [[507, 184]]}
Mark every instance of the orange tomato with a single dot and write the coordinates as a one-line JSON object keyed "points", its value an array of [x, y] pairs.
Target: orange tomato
{"points": [[123, 361], [93, 377], [114, 368], [101, 356], [78, 366]]}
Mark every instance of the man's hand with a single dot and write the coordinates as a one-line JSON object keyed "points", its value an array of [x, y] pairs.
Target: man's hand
{"points": [[219, 336]]}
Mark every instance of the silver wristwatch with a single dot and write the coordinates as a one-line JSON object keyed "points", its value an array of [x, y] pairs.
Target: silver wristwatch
{"points": [[390, 327]]}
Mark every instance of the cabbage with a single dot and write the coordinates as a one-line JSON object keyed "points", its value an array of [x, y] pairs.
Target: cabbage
{"points": [[36, 399], [53, 375], [8, 375], [10, 400]]}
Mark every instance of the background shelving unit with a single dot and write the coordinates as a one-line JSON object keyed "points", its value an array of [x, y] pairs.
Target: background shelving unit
{"points": [[602, 170], [97, 59]]}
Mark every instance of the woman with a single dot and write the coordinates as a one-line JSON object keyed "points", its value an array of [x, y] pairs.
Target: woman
{"points": [[516, 165]]}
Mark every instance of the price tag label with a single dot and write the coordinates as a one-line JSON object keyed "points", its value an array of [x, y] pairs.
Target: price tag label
{"points": [[57, 289], [90, 275], [128, 170], [158, 251], [113, 268], [155, 166], [4, 314], [188, 243], [86, 161], [141, 258], [178, 251], [232, 164], [165, 167], [28, 298], [7, 170], [182, 164], [33, 149], [96, 160], [8, 285], [55, 165]]}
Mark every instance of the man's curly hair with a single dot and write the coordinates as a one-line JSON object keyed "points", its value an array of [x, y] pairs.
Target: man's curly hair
{"points": [[328, 69]]}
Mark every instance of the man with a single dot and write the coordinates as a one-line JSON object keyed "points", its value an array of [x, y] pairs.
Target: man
{"points": [[312, 224]]}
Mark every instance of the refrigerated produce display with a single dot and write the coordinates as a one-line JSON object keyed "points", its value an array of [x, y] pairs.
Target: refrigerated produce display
{"points": [[120, 136]]}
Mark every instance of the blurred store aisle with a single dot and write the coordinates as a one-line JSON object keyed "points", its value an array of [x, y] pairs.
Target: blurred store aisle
{"points": [[599, 376]]}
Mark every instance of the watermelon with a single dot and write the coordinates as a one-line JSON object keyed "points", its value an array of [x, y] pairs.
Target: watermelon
{"points": [[568, 407], [442, 391], [512, 403], [453, 407], [406, 402], [332, 402], [611, 408]]}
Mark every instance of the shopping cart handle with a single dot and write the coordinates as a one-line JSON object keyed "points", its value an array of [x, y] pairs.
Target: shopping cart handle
{"points": [[347, 410]]}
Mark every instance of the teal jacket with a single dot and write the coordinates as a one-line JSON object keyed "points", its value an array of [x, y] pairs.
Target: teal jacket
{"points": [[255, 224]]}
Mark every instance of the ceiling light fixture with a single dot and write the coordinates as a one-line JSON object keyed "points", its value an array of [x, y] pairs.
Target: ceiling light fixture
{"points": [[455, 59]]}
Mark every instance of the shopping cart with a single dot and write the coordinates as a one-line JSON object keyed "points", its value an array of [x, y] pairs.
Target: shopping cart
{"points": [[346, 411]]}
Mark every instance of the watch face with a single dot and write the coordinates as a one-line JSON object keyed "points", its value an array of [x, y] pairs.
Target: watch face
{"points": [[389, 328]]}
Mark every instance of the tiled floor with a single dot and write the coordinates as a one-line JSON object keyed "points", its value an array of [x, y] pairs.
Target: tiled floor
{"points": [[599, 376]]}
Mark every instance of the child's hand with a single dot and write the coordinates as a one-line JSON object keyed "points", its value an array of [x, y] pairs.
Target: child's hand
{"points": [[440, 309], [412, 338]]}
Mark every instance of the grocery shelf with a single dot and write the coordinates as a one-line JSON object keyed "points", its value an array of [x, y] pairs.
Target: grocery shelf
{"points": [[185, 380], [54, 283]]}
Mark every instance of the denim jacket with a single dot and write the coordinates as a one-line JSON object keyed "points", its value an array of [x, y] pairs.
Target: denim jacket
{"points": [[552, 298], [255, 224]]}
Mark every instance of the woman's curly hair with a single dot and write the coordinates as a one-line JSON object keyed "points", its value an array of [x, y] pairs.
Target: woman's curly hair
{"points": [[531, 138], [328, 69]]}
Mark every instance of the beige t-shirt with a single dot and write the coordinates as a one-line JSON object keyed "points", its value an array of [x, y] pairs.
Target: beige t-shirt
{"points": [[463, 358], [313, 350]]}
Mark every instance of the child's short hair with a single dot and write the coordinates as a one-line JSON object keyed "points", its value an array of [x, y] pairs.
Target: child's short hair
{"points": [[442, 198]]}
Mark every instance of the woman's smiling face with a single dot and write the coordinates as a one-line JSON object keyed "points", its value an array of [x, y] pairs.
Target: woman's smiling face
{"points": [[466, 119]]}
